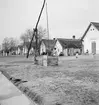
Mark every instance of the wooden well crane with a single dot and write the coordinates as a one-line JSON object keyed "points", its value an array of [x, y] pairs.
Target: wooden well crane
{"points": [[35, 32]]}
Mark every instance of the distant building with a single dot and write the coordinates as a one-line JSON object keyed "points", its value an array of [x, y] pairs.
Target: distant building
{"points": [[22, 49], [91, 38], [19, 49], [68, 47]]}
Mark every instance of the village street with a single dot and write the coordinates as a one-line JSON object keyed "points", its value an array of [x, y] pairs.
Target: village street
{"points": [[49, 52], [72, 82]]}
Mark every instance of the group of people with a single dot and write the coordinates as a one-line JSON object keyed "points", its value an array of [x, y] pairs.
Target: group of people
{"points": [[54, 53]]}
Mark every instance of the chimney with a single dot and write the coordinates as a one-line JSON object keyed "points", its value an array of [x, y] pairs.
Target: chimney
{"points": [[73, 36]]}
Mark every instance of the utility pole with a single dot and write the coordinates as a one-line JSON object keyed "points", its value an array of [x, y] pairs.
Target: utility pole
{"points": [[47, 25], [47, 21]]}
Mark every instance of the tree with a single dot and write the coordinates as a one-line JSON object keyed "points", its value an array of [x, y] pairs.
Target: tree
{"points": [[42, 33], [27, 36], [6, 45], [9, 45], [12, 44]]}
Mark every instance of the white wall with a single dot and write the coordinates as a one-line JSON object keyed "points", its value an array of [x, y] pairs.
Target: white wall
{"points": [[58, 47], [18, 50], [31, 51], [92, 35], [42, 48], [25, 50], [65, 52]]}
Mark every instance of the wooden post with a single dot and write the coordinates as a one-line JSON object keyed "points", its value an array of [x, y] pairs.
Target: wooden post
{"points": [[36, 47], [35, 29]]}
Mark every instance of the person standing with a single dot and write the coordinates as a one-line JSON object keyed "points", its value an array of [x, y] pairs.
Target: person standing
{"points": [[55, 52], [76, 54]]}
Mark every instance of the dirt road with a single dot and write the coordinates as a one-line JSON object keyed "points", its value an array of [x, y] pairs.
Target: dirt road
{"points": [[72, 82]]}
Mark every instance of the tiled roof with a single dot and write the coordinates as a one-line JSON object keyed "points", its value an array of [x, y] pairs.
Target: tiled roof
{"points": [[95, 24], [70, 43], [49, 43]]}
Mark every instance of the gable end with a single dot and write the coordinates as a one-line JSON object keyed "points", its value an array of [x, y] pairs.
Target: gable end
{"points": [[96, 25]]}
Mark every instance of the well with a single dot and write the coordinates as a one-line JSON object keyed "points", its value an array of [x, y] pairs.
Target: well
{"points": [[49, 60]]}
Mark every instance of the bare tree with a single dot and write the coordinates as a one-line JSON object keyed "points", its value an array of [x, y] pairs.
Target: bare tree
{"points": [[29, 34], [5, 45], [12, 44], [42, 33], [26, 37], [9, 45]]}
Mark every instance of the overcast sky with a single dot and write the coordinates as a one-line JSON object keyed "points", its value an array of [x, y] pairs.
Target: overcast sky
{"points": [[66, 17]]}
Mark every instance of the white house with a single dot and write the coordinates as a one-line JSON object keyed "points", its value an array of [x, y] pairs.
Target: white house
{"points": [[47, 44], [25, 48], [22, 50], [91, 38], [42, 48], [68, 47]]}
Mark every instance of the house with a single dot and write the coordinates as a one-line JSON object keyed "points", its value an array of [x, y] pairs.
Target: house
{"points": [[26, 46], [22, 49], [91, 38], [47, 45], [19, 49], [68, 47]]}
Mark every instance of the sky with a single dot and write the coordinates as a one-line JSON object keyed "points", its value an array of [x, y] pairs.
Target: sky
{"points": [[66, 17]]}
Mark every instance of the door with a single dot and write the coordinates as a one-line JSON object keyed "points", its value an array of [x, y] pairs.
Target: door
{"points": [[94, 47]]}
